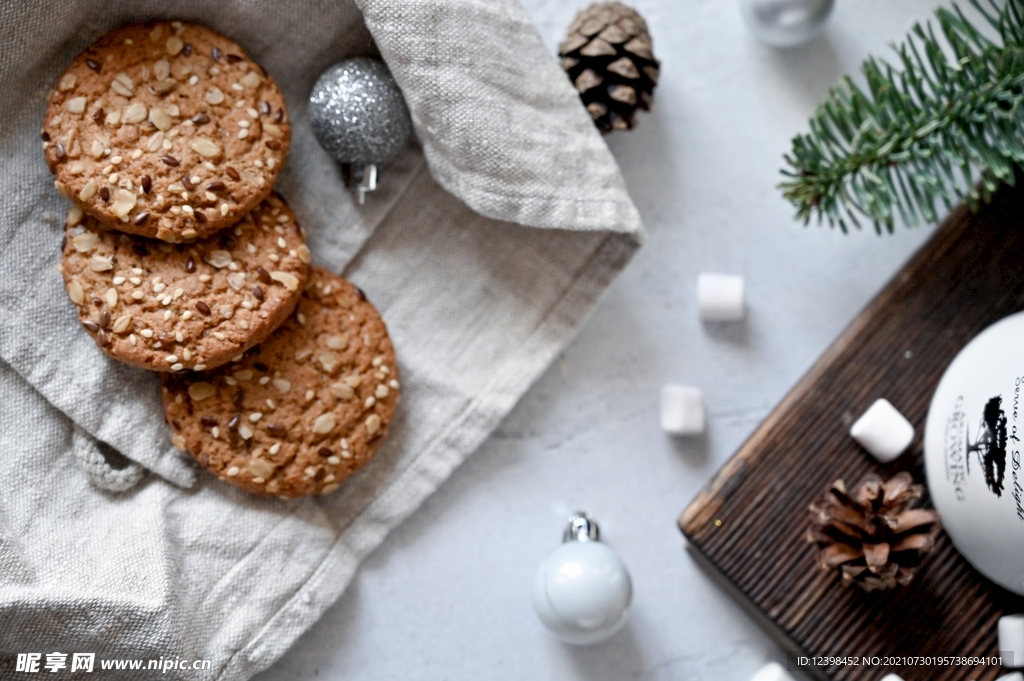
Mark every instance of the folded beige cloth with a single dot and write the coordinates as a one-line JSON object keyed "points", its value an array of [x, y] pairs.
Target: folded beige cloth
{"points": [[485, 250]]}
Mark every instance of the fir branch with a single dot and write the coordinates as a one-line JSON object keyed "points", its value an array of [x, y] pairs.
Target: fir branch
{"points": [[941, 126]]}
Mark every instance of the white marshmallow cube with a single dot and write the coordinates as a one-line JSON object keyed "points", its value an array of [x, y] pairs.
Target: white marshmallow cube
{"points": [[1016, 676], [773, 671], [1011, 640], [682, 410], [720, 297], [883, 431], [892, 677]]}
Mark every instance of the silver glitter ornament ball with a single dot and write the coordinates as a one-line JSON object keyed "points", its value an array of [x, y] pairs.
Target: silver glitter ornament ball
{"points": [[358, 114], [786, 23]]}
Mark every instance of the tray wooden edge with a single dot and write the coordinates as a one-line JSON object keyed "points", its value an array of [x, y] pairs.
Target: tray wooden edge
{"points": [[766, 623]]}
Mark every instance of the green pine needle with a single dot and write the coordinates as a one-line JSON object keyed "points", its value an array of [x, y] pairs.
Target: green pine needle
{"points": [[941, 126]]}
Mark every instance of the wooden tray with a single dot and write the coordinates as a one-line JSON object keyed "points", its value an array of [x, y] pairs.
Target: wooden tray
{"points": [[747, 525]]}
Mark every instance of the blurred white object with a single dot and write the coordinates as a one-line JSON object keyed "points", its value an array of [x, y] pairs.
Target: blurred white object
{"points": [[892, 677], [1015, 676], [682, 410], [786, 23], [582, 590], [720, 297], [773, 671], [883, 431], [1011, 640]]}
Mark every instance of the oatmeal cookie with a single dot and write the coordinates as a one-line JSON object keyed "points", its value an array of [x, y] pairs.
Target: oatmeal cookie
{"points": [[301, 412], [167, 130], [189, 306]]}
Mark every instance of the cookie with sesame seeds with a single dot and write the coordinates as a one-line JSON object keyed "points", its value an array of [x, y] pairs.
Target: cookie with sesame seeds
{"points": [[167, 130], [187, 306], [301, 412]]}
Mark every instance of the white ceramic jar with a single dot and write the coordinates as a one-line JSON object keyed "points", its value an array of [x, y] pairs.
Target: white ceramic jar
{"points": [[972, 449]]}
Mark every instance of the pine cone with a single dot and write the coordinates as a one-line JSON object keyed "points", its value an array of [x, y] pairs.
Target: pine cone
{"points": [[608, 57], [872, 535]]}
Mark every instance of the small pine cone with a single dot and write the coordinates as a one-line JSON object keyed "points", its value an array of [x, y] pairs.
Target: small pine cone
{"points": [[872, 535], [608, 57]]}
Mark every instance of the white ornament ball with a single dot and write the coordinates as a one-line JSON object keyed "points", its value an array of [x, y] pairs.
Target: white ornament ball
{"points": [[786, 23], [582, 592]]}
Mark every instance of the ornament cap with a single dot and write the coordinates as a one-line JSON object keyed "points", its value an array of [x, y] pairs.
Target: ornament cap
{"points": [[582, 528]]}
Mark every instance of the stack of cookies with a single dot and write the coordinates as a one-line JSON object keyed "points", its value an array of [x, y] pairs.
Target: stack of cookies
{"points": [[278, 377]]}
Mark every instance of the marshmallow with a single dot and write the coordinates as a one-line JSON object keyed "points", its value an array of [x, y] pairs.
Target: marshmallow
{"points": [[883, 431], [892, 677], [773, 671], [682, 410], [1011, 640], [1016, 676], [720, 297]]}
